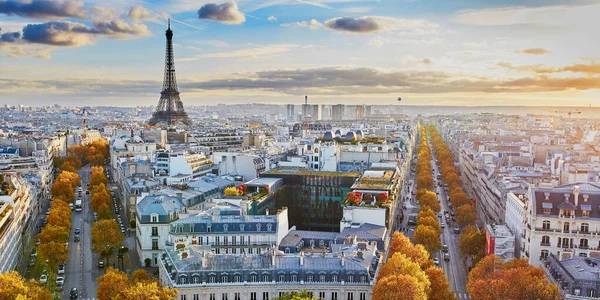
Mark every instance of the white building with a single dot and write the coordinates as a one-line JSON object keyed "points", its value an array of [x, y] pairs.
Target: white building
{"points": [[500, 241], [247, 165], [181, 166], [356, 215]]}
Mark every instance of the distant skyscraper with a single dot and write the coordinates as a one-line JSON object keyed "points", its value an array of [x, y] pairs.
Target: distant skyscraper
{"points": [[337, 112], [291, 116], [170, 108], [310, 112]]}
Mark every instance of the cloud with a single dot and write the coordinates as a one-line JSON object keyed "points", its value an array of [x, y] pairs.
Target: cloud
{"points": [[533, 51], [313, 3], [591, 69], [354, 25], [312, 24], [427, 61], [140, 13], [227, 12], [10, 37], [272, 19], [44, 9], [358, 9], [76, 34], [538, 68]]}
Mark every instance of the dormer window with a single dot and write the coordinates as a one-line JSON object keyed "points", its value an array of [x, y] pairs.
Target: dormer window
{"points": [[586, 197], [242, 227], [225, 227], [269, 227], [258, 227], [209, 228], [154, 218]]}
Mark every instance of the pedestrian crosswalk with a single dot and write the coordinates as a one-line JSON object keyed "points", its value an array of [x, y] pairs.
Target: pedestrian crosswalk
{"points": [[462, 296]]}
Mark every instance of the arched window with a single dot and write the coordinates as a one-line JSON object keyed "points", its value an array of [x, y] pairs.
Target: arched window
{"points": [[583, 243], [546, 225], [211, 279], [265, 277], [585, 227], [224, 278], [544, 254], [545, 240]]}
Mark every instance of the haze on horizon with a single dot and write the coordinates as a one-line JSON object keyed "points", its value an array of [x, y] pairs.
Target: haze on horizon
{"points": [[429, 52]]}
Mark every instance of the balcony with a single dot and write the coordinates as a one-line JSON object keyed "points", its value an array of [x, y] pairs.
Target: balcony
{"points": [[544, 244], [545, 229], [154, 233], [583, 247], [566, 216]]}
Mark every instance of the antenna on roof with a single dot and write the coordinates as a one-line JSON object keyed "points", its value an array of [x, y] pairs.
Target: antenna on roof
{"points": [[169, 23]]}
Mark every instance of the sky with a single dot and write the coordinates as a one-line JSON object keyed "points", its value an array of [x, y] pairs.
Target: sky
{"points": [[428, 52]]}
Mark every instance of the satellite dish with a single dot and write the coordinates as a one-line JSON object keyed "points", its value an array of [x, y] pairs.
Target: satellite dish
{"points": [[399, 99]]}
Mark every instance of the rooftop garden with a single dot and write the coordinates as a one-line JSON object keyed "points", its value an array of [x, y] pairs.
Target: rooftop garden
{"points": [[375, 183], [306, 172], [367, 199]]}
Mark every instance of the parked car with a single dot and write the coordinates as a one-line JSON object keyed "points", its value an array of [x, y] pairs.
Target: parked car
{"points": [[73, 294], [60, 280], [77, 231], [37, 242], [32, 262], [71, 206], [446, 257], [436, 261], [443, 225], [44, 278], [100, 264], [445, 248], [456, 229], [61, 269], [76, 238]]}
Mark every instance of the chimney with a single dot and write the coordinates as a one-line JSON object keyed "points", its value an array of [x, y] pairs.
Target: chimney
{"points": [[267, 212], [302, 258], [204, 262], [576, 191], [343, 259], [354, 240], [305, 99]]}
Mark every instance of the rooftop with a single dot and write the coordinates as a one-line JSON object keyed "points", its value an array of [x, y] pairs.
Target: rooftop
{"points": [[306, 172], [375, 180]]}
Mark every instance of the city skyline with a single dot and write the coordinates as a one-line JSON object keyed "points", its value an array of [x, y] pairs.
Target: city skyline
{"points": [[354, 52]]}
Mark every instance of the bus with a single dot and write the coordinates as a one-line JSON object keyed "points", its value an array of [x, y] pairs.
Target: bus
{"points": [[78, 205]]}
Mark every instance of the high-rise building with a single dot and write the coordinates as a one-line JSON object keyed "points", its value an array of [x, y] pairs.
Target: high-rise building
{"points": [[291, 116], [325, 112], [337, 112], [170, 108], [310, 112]]}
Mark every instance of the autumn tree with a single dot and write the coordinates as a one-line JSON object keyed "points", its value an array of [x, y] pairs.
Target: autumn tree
{"points": [[472, 241], [296, 296], [97, 176], [399, 287], [67, 166], [106, 236], [400, 264], [465, 215], [63, 189], [147, 290], [430, 199], [425, 212], [427, 237], [104, 212], [431, 222], [111, 284], [13, 286], [59, 215], [54, 233], [55, 252], [492, 278], [139, 275], [417, 253], [440, 288], [232, 191], [100, 196]]}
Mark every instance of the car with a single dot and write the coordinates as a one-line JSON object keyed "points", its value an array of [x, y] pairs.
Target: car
{"points": [[48, 212], [37, 242], [445, 248], [67, 244], [443, 225], [76, 238], [61, 269], [446, 257], [122, 230], [60, 280], [44, 278], [100, 264], [77, 231], [87, 192], [436, 261], [456, 229], [32, 262], [71, 206], [73, 294]]}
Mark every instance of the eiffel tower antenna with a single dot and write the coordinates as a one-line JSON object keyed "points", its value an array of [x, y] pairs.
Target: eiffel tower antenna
{"points": [[170, 109]]}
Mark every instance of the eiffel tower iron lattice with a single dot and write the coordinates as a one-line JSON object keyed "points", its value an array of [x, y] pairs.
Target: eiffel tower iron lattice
{"points": [[169, 110]]}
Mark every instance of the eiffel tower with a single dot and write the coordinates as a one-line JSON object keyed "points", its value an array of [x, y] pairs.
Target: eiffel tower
{"points": [[170, 108]]}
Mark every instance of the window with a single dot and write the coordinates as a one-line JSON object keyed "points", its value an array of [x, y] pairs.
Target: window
{"points": [[200, 241], [253, 296], [322, 278], [545, 240], [242, 230], [585, 227], [196, 279], [252, 278], [585, 213], [350, 296], [182, 280], [224, 296], [183, 297], [363, 296], [310, 294], [577, 291], [269, 227], [363, 278], [583, 243], [294, 278], [224, 278], [212, 296], [209, 228], [546, 225], [211, 279], [249, 250], [233, 240], [334, 278], [242, 240], [225, 227], [258, 227], [265, 278], [544, 254], [546, 210], [309, 278], [154, 231], [237, 296], [196, 297], [281, 277], [236, 278], [154, 218], [591, 293], [225, 240], [566, 227], [154, 244], [217, 240], [334, 296], [265, 295], [321, 295]]}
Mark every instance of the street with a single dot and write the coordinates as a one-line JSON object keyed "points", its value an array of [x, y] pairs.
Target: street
{"points": [[454, 269], [81, 271]]}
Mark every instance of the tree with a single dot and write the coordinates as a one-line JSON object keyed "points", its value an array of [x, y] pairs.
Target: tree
{"points": [[430, 199], [472, 241], [232, 191], [354, 197], [105, 237], [54, 252], [417, 253], [492, 278], [440, 288], [139, 275], [431, 222], [68, 166], [425, 212], [54, 233], [100, 197], [304, 295], [147, 290], [399, 287], [13, 286], [400, 264], [111, 284], [104, 212], [63, 189], [465, 215], [427, 237], [97, 176], [59, 215]]}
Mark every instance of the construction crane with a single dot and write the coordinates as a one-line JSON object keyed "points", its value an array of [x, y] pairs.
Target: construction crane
{"points": [[577, 112], [82, 113]]}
